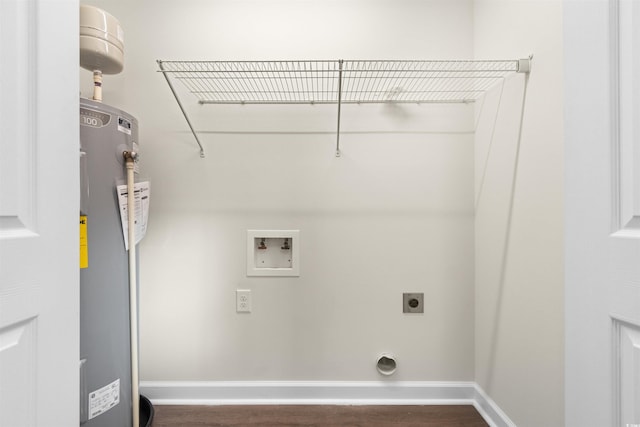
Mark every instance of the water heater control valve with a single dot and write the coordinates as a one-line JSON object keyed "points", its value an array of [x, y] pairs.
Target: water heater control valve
{"points": [[130, 155]]}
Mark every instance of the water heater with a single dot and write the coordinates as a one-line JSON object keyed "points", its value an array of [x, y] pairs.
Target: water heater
{"points": [[106, 397], [108, 260]]}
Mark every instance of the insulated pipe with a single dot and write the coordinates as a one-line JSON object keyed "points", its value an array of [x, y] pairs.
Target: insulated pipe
{"points": [[97, 85], [130, 158]]}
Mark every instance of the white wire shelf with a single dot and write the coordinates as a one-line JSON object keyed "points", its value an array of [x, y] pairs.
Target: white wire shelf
{"points": [[337, 81]]}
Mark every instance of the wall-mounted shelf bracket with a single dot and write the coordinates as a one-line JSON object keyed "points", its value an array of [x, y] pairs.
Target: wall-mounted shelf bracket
{"points": [[524, 65], [186, 117], [337, 82]]}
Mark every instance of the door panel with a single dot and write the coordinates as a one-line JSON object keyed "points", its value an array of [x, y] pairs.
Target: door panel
{"points": [[18, 357], [17, 94], [625, 23], [626, 373], [622, 261], [602, 226], [39, 240]]}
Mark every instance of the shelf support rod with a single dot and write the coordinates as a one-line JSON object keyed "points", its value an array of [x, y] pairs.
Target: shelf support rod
{"points": [[184, 113], [340, 62]]}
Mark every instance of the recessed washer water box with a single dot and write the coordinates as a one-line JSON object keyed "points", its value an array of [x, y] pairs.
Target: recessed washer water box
{"points": [[273, 252]]}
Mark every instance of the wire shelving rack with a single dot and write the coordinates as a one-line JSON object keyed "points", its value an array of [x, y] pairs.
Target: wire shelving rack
{"points": [[337, 81]]}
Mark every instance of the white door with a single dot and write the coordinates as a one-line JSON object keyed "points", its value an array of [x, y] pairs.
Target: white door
{"points": [[39, 213], [602, 130]]}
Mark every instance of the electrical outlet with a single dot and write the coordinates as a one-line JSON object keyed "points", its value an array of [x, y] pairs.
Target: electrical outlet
{"points": [[413, 302], [243, 301]]}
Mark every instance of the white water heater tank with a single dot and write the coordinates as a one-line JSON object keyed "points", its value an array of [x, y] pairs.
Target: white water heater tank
{"points": [[101, 41]]}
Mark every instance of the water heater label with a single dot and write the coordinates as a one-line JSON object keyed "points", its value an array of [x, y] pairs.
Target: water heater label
{"points": [[141, 193], [124, 125], [103, 399], [93, 118]]}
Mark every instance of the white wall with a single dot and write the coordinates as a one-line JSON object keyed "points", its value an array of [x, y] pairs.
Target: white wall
{"points": [[519, 218], [589, 289], [393, 214]]}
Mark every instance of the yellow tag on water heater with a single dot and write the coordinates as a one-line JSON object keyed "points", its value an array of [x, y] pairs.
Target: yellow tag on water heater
{"points": [[84, 249]]}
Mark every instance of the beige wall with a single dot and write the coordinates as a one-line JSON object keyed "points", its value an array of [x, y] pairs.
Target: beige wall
{"points": [[519, 216], [393, 214]]}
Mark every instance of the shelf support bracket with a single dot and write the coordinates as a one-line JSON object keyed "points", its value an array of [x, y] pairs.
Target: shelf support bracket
{"points": [[184, 113], [340, 62], [524, 65]]}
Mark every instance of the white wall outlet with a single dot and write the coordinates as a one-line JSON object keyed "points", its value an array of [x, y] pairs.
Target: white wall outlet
{"points": [[243, 301]]}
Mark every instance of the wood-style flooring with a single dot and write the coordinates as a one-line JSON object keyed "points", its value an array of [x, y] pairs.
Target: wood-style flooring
{"points": [[317, 416]]}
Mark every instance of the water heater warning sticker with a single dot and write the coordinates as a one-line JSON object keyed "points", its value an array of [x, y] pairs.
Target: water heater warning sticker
{"points": [[84, 251], [103, 399]]}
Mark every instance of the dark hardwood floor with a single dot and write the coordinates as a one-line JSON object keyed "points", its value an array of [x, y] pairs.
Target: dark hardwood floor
{"points": [[318, 416]]}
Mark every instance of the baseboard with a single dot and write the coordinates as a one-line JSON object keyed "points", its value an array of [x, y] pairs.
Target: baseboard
{"points": [[325, 393], [490, 411]]}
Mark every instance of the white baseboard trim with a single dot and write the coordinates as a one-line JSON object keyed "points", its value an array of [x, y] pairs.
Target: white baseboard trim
{"points": [[325, 393], [490, 411]]}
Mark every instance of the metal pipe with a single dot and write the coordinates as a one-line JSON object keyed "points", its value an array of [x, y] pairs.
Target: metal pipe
{"points": [[184, 113]]}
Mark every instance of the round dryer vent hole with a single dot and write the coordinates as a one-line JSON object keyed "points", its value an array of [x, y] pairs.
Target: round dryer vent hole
{"points": [[386, 364]]}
